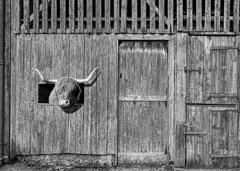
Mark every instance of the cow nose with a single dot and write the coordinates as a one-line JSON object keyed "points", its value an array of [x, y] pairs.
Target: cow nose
{"points": [[63, 102]]}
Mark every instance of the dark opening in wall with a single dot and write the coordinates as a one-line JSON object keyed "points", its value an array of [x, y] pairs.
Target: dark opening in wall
{"points": [[44, 91]]}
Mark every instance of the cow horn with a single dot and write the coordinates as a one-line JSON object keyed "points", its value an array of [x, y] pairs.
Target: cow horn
{"points": [[43, 79], [88, 78]]}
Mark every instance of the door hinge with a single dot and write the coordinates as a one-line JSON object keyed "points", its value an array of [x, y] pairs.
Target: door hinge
{"points": [[186, 69]]}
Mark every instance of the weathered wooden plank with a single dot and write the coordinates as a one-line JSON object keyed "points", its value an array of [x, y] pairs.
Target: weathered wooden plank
{"points": [[72, 16], [103, 94], [171, 97], [26, 16], [170, 16], [34, 100], [62, 16], [116, 16], [226, 21], [161, 17], [89, 16], [199, 15], [56, 110], [112, 98], [36, 16], [54, 16], [217, 15], [80, 16], [152, 16], [94, 115], [236, 16], [107, 16], [180, 15], [49, 128], [87, 96], [189, 15], [80, 73], [13, 49], [134, 16], [207, 23], [7, 83], [179, 145], [142, 98], [41, 109], [45, 16], [73, 137], [98, 16], [17, 22], [180, 91], [65, 66], [124, 17], [26, 95]]}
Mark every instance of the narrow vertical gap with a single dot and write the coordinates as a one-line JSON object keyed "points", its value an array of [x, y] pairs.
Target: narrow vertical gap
{"points": [[40, 16]]}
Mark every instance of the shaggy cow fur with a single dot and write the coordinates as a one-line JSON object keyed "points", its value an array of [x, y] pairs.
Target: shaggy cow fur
{"points": [[66, 89]]}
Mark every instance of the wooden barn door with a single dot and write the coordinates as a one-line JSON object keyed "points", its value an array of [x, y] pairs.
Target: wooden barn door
{"points": [[143, 116], [212, 116]]}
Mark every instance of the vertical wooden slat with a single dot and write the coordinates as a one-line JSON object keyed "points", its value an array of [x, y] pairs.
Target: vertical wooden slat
{"points": [[134, 17], [98, 16], [180, 15], [34, 83], [26, 16], [54, 16], [199, 15], [80, 16], [45, 16], [170, 16], [207, 26], [116, 16], [180, 94], [62, 16], [89, 16], [87, 96], [27, 68], [41, 109], [36, 16], [171, 94], [49, 128], [124, 16], [189, 15], [72, 16], [236, 16], [94, 115], [152, 16], [217, 15], [7, 82], [226, 20], [80, 73], [112, 94], [161, 17], [56, 110], [16, 7], [107, 16], [72, 132], [103, 94]]}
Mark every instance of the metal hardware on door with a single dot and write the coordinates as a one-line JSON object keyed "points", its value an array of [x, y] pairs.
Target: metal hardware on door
{"points": [[186, 69]]}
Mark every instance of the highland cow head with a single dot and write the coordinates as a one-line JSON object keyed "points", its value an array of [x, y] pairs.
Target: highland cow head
{"points": [[67, 91]]}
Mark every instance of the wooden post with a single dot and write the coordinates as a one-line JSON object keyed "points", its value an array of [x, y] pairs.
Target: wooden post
{"points": [[2, 41]]}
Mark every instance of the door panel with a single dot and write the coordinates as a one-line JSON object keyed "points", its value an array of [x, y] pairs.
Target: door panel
{"points": [[143, 119], [211, 136], [211, 78]]}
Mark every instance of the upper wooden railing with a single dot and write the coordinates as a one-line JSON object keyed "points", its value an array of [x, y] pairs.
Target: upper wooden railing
{"points": [[126, 16]]}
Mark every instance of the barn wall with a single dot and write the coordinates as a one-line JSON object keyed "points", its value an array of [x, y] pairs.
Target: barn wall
{"points": [[45, 129]]}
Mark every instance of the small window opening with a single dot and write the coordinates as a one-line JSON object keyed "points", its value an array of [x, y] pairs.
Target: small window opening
{"points": [[44, 91]]}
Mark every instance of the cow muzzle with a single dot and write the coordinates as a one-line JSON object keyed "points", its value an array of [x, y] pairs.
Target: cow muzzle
{"points": [[64, 103]]}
